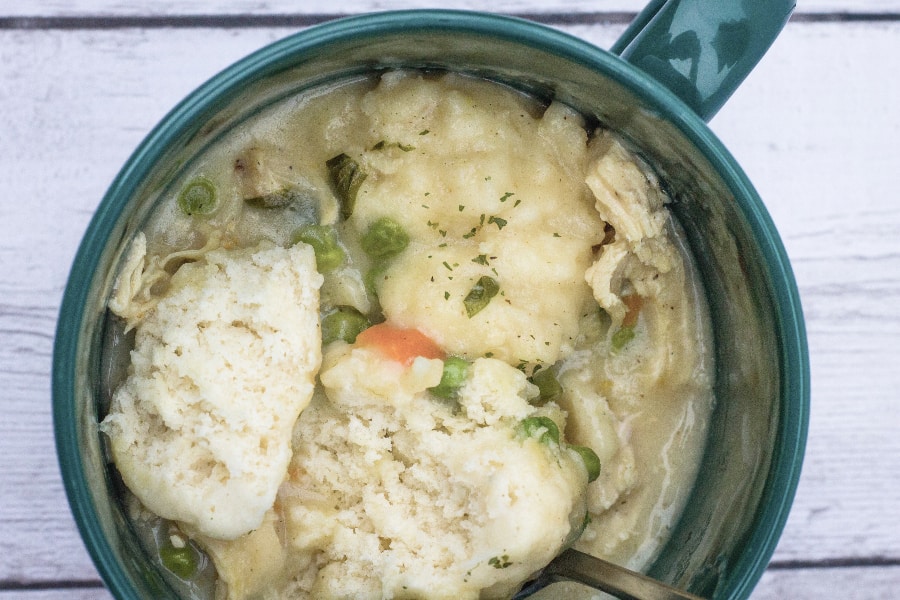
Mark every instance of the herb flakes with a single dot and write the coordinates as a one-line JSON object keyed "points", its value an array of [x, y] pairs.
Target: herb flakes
{"points": [[480, 295], [500, 223]]}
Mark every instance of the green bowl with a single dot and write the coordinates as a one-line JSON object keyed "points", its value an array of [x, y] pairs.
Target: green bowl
{"points": [[750, 469]]}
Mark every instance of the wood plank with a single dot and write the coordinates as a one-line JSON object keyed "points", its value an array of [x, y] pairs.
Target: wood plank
{"points": [[871, 583], [824, 158], [64, 593], [70, 8], [77, 102]]}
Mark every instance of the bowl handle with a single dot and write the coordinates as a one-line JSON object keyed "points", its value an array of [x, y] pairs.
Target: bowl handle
{"points": [[702, 49]]}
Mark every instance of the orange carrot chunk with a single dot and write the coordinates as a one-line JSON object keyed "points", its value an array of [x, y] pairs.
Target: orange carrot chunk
{"points": [[399, 344]]}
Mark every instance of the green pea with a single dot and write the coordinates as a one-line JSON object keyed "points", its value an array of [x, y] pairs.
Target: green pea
{"points": [[621, 338], [180, 561], [543, 427], [323, 239], [375, 272], [547, 384], [198, 197], [343, 323], [454, 376], [480, 295], [385, 238], [591, 461]]}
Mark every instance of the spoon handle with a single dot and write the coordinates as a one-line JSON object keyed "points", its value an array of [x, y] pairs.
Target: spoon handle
{"points": [[599, 574]]}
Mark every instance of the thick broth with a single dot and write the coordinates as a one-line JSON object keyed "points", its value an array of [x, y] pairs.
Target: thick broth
{"points": [[594, 285]]}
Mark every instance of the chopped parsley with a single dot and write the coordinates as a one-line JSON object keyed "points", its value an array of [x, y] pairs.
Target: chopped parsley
{"points": [[346, 178], [480, 295], [500, 223], [383, 145]]}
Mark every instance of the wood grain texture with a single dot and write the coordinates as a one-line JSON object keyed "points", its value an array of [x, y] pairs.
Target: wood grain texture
{"points": [[314, 7], [869, 583], [814, 126], [92, 593], [818, 135], [77, 104]]}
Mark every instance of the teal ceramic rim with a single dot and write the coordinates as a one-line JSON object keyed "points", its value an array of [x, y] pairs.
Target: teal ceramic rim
{"points": [[792, 428]]}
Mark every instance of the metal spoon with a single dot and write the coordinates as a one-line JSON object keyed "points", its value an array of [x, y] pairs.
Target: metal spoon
{"points": [[599, 574]]}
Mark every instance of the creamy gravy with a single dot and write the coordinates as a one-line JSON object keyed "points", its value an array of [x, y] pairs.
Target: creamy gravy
{"points": [[594, 282]]}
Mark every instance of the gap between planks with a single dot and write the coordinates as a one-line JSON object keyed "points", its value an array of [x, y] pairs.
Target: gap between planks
{"points": [[243, 21], [839, 570], [833, 563]]}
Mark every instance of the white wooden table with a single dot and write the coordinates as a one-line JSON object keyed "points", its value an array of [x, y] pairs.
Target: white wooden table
{"points": [[816, 126]]}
